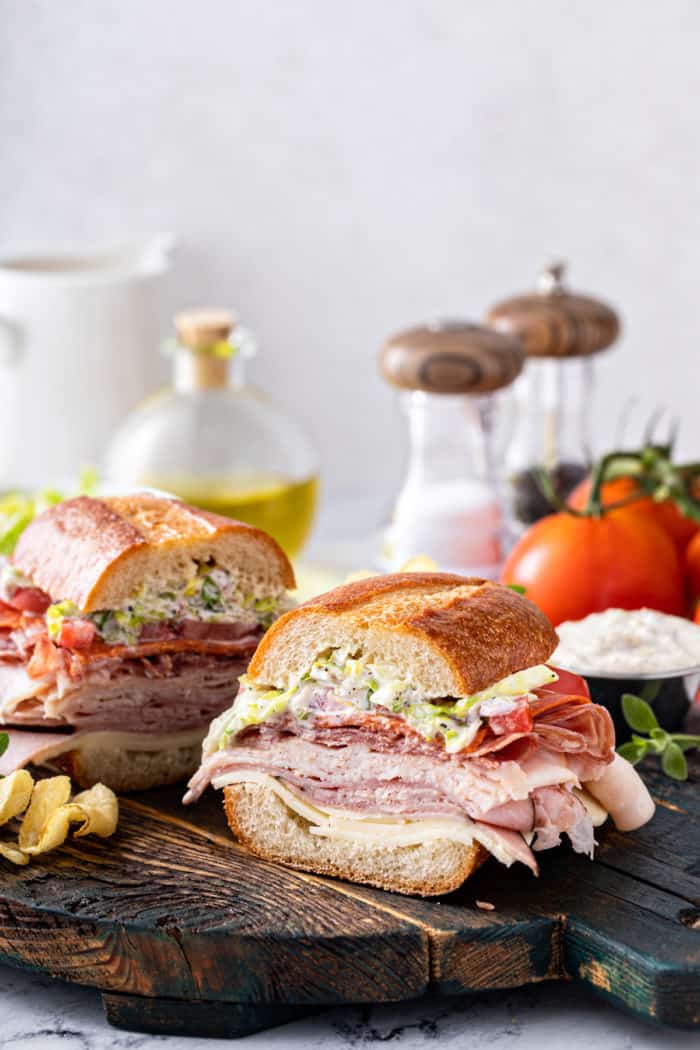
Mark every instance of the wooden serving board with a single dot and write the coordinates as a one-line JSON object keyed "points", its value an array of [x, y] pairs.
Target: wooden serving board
{"points": [[183, 932]]}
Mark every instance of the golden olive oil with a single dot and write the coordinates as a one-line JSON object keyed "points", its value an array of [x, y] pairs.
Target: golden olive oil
{"points": [[284, 508]]}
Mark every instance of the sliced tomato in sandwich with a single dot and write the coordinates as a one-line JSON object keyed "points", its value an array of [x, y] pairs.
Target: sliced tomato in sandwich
{"points": [[76, 634], [517, 720], [31, 600], [569, 683]]}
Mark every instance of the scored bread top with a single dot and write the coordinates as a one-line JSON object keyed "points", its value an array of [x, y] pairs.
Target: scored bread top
{"points": [[449, 635], [98, 553]]}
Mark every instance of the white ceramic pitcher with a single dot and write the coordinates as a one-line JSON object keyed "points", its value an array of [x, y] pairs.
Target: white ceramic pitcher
{"points": [[79, 335]]}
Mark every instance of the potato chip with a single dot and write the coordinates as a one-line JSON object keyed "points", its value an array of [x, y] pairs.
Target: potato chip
{"points": [[49, 812], [15, 794], [100, 810], [13, 853], [45, 824]]}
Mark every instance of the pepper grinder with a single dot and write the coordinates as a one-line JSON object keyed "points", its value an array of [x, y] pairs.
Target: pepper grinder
{"points": [[448, 507], [560, 332]]}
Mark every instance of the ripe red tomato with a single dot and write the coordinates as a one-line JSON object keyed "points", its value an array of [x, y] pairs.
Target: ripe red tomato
{"points": [[573, 566], [30, 599], [568, 683], [517, 720], [76, 634], [665, 513], [692, 566]]}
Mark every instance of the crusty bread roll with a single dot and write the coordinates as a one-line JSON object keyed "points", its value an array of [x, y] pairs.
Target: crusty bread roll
{"points": [[267, 827], [97, 553], [447, 635]]}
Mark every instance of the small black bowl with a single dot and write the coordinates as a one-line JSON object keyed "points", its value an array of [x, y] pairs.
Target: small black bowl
{"points": [[670, 693]]}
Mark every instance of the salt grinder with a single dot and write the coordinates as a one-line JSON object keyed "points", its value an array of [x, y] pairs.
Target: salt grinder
{"points": [[448, 507]]}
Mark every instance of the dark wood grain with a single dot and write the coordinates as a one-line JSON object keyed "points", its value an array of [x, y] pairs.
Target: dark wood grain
{"points": [[184, 932]]}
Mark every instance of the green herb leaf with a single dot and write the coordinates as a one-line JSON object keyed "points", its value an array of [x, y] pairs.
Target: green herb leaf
{"points": [[210, 594], [517, 588], [660, 740], [671, 746], [673, 762], [638, 714], [633, 752], [685, 742], [650, 691], [4, 743]]}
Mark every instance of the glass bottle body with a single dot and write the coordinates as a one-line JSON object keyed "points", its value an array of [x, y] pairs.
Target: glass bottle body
{"points": [[226, 448], [448, 507], [551, 432]]}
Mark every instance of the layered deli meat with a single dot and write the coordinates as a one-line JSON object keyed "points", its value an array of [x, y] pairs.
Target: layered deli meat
{"points": [[358, 752], [163, 662]]}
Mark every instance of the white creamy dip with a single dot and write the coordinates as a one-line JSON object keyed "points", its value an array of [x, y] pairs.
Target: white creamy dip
{"points": [[624, 641]]}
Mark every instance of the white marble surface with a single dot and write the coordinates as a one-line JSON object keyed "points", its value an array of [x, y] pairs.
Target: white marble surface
{"points": [[37, 1013]]}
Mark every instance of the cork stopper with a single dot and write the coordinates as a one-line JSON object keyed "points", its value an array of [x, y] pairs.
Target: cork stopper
{"points": [[554, 322], [200, 330], [450, 357]]}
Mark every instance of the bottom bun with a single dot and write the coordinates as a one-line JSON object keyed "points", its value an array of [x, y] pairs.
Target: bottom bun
{"points": [[123, 770], [267, 827]]}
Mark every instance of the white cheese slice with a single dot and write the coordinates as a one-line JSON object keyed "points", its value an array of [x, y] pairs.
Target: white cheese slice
{"points": [[384, 831]]}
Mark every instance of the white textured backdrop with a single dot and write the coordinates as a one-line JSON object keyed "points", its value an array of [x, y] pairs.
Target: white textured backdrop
{"points": [[335, 170]]}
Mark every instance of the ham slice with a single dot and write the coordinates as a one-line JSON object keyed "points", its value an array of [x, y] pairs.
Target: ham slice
{"points": [[163, 694], [518, 775], [353, 779], [177, 679], [25, 747], [558, 810], [621, 791], [35, 748]]}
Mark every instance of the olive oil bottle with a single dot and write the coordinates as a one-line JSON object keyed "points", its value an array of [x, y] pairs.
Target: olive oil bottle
{"points": [[281, 507], [217, 443]]}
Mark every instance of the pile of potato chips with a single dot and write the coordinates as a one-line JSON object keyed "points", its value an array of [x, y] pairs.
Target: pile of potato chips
{"points": [[49, 812]]}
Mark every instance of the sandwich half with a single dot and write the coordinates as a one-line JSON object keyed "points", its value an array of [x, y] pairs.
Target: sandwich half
{"points": [[399, 730], [125, 624]]}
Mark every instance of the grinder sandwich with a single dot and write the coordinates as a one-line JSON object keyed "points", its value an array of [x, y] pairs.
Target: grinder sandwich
{"points": [[398, 730], [124, 626]]}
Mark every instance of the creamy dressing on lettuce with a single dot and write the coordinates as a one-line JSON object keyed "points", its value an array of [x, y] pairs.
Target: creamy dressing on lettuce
{"points": [[367, 687], [212, 596]]}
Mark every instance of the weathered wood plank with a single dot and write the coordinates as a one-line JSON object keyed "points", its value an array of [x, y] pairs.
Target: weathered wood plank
{"points": [[160, 912], [202, 1019], [180, 927]]}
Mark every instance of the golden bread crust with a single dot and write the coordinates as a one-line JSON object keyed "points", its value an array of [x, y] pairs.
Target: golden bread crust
{"points": [[484, 631], [71, 550]]}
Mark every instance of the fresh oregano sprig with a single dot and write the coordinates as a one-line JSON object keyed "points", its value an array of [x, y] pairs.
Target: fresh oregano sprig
{"points": [[640, 716]]}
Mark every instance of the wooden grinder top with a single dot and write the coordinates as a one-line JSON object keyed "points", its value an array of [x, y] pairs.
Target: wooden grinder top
{"points": [[454, 357], [554, 322]]}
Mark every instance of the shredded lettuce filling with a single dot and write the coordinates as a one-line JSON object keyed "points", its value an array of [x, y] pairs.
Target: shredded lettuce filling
{"points": [[354, 681], [212, 595]]}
